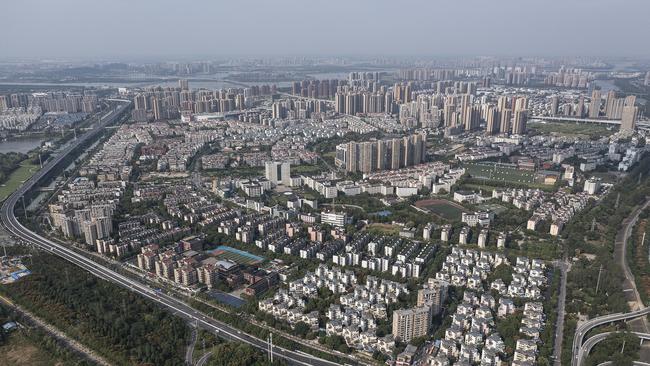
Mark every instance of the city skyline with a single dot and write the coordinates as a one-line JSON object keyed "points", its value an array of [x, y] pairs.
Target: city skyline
{"points": [[127, 30], [293, 182]]}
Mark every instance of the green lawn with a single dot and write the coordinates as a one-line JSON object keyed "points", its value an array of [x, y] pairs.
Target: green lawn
{"points": [[24, 172], [383, 229], [308, 169], [573, 129], [446, 211], [500, 173]]}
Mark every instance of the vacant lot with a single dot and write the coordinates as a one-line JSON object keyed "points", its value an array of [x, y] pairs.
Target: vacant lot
{"points": [[20, 350], [442, 208]]}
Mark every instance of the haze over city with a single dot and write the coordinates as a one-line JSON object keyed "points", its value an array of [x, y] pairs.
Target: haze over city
{"points": [[145, 29]]}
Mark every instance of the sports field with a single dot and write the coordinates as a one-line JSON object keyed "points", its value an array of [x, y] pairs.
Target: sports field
{"points": [[442, 208], [235, 255], [499, 172]]}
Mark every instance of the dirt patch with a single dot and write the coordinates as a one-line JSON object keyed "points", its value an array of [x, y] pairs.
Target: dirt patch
{"points": [[18, 352]]}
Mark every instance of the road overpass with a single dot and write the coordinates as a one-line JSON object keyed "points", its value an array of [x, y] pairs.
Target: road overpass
{"points": [[172, 304], [591, 342], [585, 327]]}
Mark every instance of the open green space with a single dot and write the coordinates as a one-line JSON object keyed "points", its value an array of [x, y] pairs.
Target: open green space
{"points": [[492, 171], [317, 168], [442, 208], [590, 130], [16, 178], [384, 229]]}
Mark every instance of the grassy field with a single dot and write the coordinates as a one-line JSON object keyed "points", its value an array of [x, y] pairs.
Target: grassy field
{"points": [[384, 229], [500, 173], [442, 208], [571, 129], [24, 172]]}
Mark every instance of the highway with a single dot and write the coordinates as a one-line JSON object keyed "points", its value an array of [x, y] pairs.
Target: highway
{"points": [[561, 302], [203, 359], [174, 305], [189, 354], [584, 328], [634, 363]]}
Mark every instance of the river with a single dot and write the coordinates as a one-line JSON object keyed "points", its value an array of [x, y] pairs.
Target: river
{"points": [[606, 85], [23, 145]]}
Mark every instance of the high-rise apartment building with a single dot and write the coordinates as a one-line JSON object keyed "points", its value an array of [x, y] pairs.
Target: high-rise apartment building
{"points": [[157, 109], [520, 116], [506, 116], [278, 172], [433, 295], [519, 124], [555, 102], [491, 120], [629, 114], [594, 105], [411, 323], [381, 154]]}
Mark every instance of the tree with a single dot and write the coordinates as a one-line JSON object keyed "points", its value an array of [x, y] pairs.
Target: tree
{"points": [[301, 329], [503, 272]]}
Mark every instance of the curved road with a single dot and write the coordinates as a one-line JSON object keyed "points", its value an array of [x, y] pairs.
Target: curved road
{"points": [[591, 342], [202, 361], [174, 305], [620, 253]]}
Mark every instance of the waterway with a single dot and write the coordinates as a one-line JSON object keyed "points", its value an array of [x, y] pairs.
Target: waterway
{"points": [[22, 145], [606, 85]]}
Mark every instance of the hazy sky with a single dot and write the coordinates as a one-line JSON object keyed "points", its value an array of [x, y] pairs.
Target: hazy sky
{"points": [[151, 28]]}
